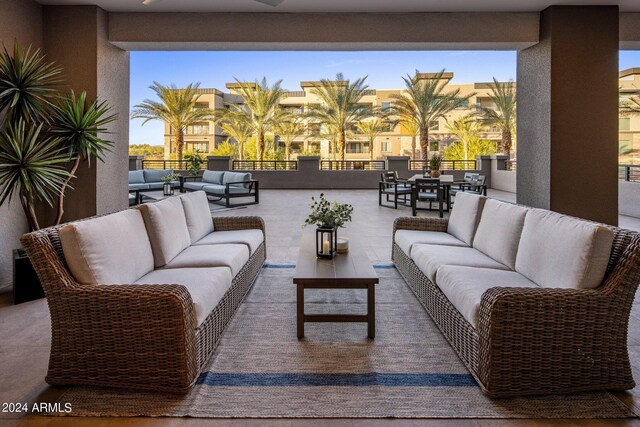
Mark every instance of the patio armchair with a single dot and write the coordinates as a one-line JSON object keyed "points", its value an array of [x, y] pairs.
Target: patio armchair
{"points": [[393, 187]]}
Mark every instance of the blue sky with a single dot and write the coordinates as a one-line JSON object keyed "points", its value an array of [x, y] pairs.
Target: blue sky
{"points": [[384, 70]]}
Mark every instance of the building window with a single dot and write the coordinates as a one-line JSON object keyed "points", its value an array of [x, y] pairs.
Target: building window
{"points": [[201, 105], [386, 106], [434, 125], [357, 147], [386, 146], [388, 127], [200, 129], [434, 146], [624, 123], [203, 147]]}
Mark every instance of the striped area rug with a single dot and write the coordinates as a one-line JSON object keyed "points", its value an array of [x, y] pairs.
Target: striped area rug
{"points": [[261, 370]]}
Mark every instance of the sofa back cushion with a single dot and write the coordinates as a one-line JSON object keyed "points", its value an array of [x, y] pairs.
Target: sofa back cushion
{"points": [[136, 177], [499, 230], [558, 251], [236, 177], [465, 215], [197, 213], [156, 175], [167, 229], [213, 177], [112, 249]]}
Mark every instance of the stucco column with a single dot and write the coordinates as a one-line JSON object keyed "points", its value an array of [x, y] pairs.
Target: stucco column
{"points": [[219, 163], [567, 88], [76, 37]]}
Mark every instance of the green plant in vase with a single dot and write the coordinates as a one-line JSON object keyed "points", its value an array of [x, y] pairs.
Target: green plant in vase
{"points": [[434, 164], [328, 217]]}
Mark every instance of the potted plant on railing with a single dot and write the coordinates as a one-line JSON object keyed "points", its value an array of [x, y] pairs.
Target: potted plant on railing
{"points": [[434, 165], [43, 137], [327, 217], [193, 162]]}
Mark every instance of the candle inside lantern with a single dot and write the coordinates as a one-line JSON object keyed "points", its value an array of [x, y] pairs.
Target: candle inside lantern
{"points": [[326, 248]]}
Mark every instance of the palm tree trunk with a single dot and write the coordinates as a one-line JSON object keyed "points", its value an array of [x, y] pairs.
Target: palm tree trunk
{"points": [[29, 213], [506, 143], [287, 150], [180, 144], [240, 150], [73, 170], [341, 144], [371, 148], [260, 145], [413, 147], [424, 142]]}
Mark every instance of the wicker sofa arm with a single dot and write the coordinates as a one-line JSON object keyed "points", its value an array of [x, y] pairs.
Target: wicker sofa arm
{"points": [[420, 224], [229, 223], [136, 336]]}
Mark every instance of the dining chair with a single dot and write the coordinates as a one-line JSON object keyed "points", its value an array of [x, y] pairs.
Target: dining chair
{"points": [[392, 186], [427, 190]]}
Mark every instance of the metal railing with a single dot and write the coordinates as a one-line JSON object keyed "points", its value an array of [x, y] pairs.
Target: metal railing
{"points": [[168, 164], [629, 172], [367, 165], [265, 165], [510, 165], [445, 165]]}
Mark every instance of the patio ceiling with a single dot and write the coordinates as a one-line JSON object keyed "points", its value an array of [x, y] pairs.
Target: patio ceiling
{"points": [[365, 6]]}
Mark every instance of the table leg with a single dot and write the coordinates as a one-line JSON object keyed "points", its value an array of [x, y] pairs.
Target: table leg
{"points": [[371, 310], [300, 310]]}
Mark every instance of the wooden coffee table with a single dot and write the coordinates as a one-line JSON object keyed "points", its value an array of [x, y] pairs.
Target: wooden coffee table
{"points": [[352, 270]]}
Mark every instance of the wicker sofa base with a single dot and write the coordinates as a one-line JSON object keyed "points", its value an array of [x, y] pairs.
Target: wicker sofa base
{"points": [[508, 358]]}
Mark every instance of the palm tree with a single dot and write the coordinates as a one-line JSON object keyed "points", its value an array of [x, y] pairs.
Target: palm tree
{"points": [[177, 108], [340, 109], [503, 116], [373, 128], [411, 126], [240, 132], [424, 102], [288, 131], [467, 129], [261, 110], [630, 105]]}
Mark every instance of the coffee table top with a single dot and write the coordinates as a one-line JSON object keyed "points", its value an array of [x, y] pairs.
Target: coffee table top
{"points": [[352, 268], [156, 195]]}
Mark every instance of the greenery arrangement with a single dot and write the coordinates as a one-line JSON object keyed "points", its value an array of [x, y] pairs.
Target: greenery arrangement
{"points": [[435, 162], [194, 162], [328, 214], [44, 135], [169, 177]]}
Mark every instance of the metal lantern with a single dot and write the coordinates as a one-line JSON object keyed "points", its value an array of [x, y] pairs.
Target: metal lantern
{"points": [[326, 242], [167, 189]]}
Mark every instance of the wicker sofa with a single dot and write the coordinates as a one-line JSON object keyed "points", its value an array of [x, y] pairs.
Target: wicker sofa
{"points": [[532, 301], [139, 298]]}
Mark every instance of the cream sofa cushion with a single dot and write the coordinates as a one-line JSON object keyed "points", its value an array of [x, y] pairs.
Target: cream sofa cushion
{"points": [[227, 255], [206, 286], [499, 231], [405, 239], [252, 238], [197, 213], [167, 229], [429, 258], [557, 251], [465, 216], [111, 249], [464, 286]]}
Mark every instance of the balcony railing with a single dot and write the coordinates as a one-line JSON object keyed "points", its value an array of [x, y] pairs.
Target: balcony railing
{"points": [[168, 164], [367, 165], [445, 165], [629, 172], [265, 165]]}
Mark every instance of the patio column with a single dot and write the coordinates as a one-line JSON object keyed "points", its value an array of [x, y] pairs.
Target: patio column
{"points": [[76, 37], [567, 87]]}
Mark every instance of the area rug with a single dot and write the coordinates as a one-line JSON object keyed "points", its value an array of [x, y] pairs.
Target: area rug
{"points": [[261, 370]]}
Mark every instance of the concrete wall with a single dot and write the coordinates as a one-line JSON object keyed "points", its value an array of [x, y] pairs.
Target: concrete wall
{"points": [[502, 179], [629, 201], [21, 20]]}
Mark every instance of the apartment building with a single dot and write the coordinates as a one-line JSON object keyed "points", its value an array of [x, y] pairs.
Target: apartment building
{"points": [[397, 140]]}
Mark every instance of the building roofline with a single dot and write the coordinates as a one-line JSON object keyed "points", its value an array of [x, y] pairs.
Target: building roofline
{"points": [[629, 72]]}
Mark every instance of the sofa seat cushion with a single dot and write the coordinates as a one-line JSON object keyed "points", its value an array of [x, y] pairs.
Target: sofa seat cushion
{"points": [[194, 186], [237, 178], [465, 216], [206, 286], [234, 256], [136, 177], [167, 228], [558, 251], [153, 175], [251, 238], [138, 187], [407, 238], [220, 189], [197, 214], [464, 286], [498, 233], [212, 177], [429, 258], [112, 249]]}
